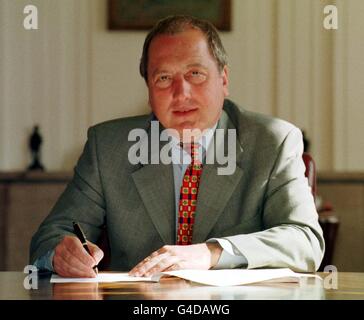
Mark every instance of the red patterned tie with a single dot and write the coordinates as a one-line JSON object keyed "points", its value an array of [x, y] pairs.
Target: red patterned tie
{"points": [[188, 198]]}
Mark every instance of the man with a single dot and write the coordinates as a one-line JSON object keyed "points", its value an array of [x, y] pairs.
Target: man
{"points": [[260, 215]]}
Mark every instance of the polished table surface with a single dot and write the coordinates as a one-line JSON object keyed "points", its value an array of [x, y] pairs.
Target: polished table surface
{"points": [[350, 286]]}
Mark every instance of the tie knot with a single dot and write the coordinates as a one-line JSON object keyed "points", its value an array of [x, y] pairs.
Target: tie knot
{"points": [[191, 148]]}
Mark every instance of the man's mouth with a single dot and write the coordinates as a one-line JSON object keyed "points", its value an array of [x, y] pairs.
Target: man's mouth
{"points": [[185, 112]]}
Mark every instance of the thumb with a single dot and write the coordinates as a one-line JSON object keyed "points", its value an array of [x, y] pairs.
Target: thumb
{"points": [[96, 252]]}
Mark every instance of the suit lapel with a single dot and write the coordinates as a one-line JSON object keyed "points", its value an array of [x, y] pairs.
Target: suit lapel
{"points": [[215, 190], [155, 185], [156, 188]]}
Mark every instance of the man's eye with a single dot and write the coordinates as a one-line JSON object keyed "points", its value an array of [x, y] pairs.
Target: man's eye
{"points": [[197, 76], [163, 81], [163, 78]]}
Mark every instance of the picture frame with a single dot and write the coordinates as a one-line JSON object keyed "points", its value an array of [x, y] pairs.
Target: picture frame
{"points": [[143, 14]]}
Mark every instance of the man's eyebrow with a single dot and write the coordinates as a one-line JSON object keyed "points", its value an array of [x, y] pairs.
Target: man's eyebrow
{"points": [[199, 65], [159, 71], [192, 65]]}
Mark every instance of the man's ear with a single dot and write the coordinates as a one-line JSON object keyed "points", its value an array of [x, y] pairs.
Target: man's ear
{"points": [[225, 81]]}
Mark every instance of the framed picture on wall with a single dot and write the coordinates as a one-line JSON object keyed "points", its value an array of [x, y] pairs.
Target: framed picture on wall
{"points": [[143, 14]]}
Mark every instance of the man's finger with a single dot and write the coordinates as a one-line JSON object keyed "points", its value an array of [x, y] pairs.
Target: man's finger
{"points": [[141, 264], [96, 252], [74, 246], [66, 269], [70, 258], [163, 265], [144, 266], [78, 251]]}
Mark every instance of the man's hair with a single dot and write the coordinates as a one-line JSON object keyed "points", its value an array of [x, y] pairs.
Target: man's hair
{"points": [[179, 23]]}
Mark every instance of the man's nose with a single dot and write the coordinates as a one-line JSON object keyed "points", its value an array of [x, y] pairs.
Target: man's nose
{"points": [[181, 88]]}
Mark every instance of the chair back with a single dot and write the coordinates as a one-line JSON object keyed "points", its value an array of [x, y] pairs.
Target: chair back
{"points": [[310, 172], [328, 221]]}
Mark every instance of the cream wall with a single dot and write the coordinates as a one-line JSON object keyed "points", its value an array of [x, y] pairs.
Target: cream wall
{"points": [[117, 88], [45, 79], [73, 72]]}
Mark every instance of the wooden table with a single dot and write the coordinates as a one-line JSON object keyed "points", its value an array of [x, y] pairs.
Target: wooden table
{"points": [[350, 287]]}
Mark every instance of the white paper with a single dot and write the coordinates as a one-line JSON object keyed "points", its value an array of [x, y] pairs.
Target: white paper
{"points": [[234, 277], [225, 277], [101, 277]]}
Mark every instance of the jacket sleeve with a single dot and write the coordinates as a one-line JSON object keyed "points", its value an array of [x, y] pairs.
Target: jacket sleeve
{"points": [[292, 236], [82, 201]]}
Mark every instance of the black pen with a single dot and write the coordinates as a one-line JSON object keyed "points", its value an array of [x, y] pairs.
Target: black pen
{"points": [[81, 236]]}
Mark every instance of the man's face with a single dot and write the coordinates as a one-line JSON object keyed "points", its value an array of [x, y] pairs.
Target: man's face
{"points": [[186, 89]]}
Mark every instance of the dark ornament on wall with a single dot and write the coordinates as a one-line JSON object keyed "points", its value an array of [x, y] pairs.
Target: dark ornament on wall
{"points": [[35, 142], [143, 14]]}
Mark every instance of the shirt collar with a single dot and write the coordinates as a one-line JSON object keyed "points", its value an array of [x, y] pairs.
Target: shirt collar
{"points": [[180, 156]]}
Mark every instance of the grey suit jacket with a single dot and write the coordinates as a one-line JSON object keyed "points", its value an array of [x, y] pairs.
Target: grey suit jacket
{"points": [[265, 208]]}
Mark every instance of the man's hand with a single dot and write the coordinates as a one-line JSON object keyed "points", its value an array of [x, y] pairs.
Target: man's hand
{"points": [[196, 256], [72, 260]]}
